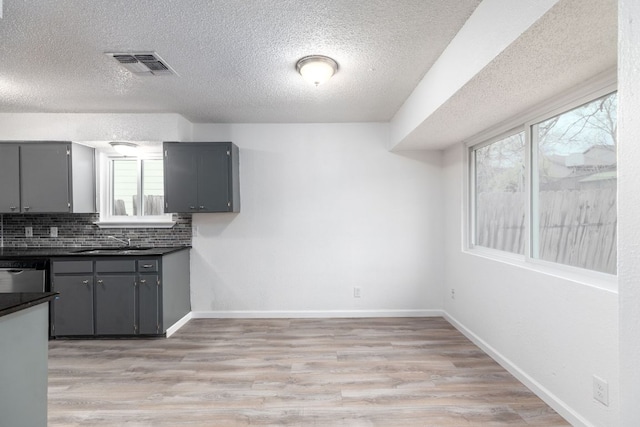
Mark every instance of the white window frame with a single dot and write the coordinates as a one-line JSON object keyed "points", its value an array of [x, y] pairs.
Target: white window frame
{"points": [[592, 90], [105, 198], [472, 213]]}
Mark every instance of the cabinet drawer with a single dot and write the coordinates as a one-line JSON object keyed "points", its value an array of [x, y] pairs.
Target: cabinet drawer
{"points": [[145, 265], [116, 266], [60, 267]]}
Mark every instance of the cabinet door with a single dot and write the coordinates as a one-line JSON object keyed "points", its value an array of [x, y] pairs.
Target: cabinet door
{"points": [[180, 179], [115, 305], [213, 178], [10, 178], [149, 304], [44, 177], [73, 309]]}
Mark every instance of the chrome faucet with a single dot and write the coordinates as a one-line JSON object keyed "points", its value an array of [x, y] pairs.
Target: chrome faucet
{"points": [[126, 242]]}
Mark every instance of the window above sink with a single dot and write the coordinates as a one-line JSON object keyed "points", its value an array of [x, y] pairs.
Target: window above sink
{"points": [[131, 188]]}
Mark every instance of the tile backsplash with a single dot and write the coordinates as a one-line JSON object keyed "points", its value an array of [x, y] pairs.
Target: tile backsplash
{"points": [[79, 230]]}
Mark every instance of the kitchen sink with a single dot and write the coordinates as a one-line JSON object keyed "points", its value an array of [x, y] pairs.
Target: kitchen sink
{"points": [[114, 251]]}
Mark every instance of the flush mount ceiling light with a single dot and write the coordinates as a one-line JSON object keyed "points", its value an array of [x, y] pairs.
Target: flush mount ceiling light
{"points": [[316, 69], [125, 148]]}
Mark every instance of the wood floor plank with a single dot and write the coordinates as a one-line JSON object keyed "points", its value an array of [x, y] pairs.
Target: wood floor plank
{"points": [[291, 372]]}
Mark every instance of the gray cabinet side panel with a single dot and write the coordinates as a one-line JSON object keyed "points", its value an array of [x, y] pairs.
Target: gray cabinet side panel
{"points": [[44, 177], [83, 179], [176, 294], [23, 372], [235, 178], [10, 178]]}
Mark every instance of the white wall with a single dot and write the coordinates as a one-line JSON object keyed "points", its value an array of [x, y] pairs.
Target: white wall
{"points": [[554, 334], [325, 207], [628, 207], [93, 127]]}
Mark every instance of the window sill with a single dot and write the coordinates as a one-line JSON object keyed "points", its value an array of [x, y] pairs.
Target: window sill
{"points": [[135, 224], [602, 281]]}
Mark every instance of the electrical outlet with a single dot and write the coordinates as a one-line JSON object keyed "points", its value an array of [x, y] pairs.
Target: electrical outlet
{"points": [[54, 232], [453, 294], [601, 390], [357, 292], [28, 232]]}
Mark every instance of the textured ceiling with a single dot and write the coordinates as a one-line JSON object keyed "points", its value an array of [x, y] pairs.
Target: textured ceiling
{"points": [[235, 58], [574, 41]]}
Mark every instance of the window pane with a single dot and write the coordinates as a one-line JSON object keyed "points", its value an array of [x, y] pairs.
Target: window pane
{"points": [[153, 187], [499, 195], [125, 186], [576, 187]]}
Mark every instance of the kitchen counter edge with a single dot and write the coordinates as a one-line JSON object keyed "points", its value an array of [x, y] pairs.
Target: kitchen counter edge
{"points": [[17, 301], [41, 252]]}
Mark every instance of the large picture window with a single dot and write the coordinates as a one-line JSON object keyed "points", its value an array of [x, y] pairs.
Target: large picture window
{"points": [[565, 212], [499, 194], [574, 187]]}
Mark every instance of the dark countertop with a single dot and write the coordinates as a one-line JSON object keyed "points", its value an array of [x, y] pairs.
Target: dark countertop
{"points": [[41, 252], [12, 302]]}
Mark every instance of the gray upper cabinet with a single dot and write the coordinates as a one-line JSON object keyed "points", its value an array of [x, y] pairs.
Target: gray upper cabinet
{"points": [[47, 177], [44, 178], [10, 178], [201, 177]]}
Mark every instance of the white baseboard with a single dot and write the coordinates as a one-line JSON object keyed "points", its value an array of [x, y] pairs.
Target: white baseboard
{"points": [[253, 314], [179, 324], [549, 398]]}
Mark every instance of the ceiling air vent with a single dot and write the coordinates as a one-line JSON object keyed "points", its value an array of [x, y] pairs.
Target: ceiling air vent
{"points": [[143, 63]]}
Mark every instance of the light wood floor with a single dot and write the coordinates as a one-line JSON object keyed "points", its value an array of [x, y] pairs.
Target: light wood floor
{"points": [[302, 372]]}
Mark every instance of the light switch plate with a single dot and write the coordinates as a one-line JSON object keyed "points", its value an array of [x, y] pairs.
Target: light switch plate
{"points": [[28, 232]]}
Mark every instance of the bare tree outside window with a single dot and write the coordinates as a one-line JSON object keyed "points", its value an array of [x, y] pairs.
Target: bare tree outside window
{"points": [[575, 191], [500, 197]]}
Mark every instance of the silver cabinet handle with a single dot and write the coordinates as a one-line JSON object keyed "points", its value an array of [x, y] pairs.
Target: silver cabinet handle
{"points": [[26, 208], [147, 265], [143, 281], [192, 207], [85, 282], [100, 281], [201, 207], [13, 208]]}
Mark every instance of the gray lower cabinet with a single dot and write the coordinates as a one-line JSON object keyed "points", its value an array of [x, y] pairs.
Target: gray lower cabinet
{"points": [[116, 305], [149, 291], [123, 296], [73, 313]]}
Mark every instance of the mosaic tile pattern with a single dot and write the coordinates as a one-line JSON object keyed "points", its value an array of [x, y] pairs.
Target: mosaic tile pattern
{"points": [[79, 230]]}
